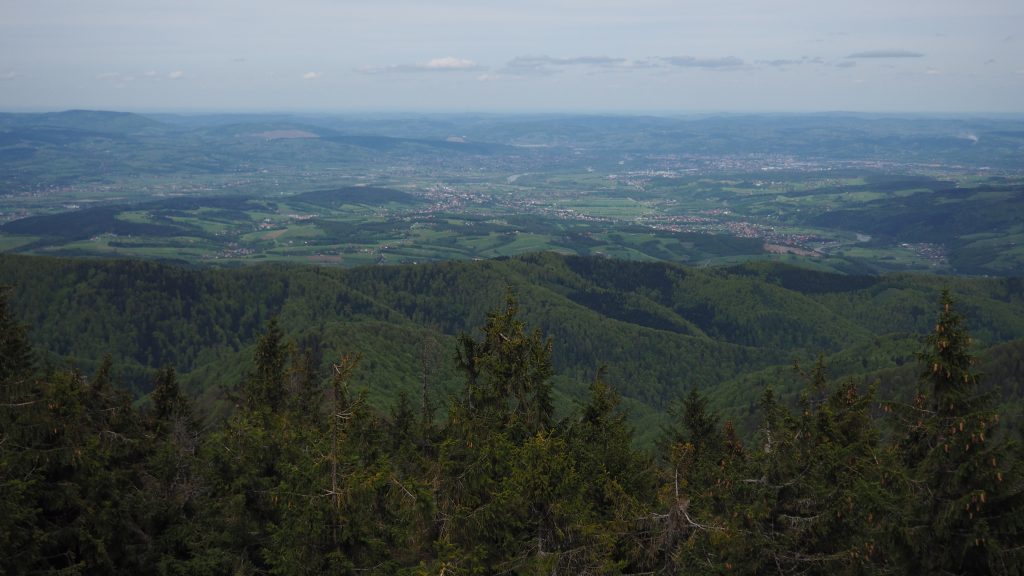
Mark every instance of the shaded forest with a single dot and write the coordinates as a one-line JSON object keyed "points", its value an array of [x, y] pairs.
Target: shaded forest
{"points": [[306, 476], [660, 328]]}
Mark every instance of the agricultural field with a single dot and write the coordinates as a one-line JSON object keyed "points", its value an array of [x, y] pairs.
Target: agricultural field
{"points": [[229, 194], [923, 224]]}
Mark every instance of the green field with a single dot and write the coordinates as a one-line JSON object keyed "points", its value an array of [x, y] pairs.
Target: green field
{"points": [[819, 223], [720, 192]]}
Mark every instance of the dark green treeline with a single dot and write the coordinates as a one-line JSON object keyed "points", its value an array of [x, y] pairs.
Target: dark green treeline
{"points": [[729, 331], [305, 477]]}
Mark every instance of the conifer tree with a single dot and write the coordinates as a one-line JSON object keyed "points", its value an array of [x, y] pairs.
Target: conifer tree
{"points": [[15, 351], [965, 508], [697, 490], [174, 491], [73, 458], [21, 412], [246, 461], [167, 399], [265, 388], [101, 380], [506, 404], [692, 422], [812, 497], [617, 485], [508, 372]]}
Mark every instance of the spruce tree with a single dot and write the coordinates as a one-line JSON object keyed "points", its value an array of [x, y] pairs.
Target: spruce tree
{"points": [[812, 498], [508, 372], [266, 386], [696, 493], [167, 398], [503, 415], [174, 491], [965, 510], [16, 357], [617, 485], [246, 461], [21, 411]]}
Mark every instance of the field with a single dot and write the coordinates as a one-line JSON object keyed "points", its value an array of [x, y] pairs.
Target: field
{"points": [[224, 195], [681, 220]]}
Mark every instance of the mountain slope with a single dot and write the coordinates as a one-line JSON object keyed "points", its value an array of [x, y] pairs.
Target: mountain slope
{"points": [[661, 328]]}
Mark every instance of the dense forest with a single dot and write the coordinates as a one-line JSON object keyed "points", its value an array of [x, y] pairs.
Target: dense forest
{"points": [[660, 328], [304, 473]]}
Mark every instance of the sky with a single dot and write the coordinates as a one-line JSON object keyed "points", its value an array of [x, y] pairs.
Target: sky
{"points": [[607, 56]]}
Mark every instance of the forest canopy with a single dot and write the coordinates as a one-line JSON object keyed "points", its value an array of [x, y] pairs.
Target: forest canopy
{"points": [[305, 476]]}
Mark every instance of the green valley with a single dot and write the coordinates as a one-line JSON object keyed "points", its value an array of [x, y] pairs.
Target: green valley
{"points": [[351, 191], [458, 344]]}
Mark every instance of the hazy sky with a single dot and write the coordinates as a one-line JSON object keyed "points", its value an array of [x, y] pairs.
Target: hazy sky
{"points": [[522, 55]]}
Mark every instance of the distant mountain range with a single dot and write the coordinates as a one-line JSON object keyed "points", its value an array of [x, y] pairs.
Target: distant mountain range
{"points": [[977, 142]]}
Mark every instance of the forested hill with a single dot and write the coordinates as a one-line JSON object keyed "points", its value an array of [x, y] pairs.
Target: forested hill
{"points": [[660, 328], [304, 475]]}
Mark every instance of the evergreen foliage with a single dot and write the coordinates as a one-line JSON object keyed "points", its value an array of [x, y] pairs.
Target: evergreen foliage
{"points": [[729, 331], [965, 510], [306, 476]]}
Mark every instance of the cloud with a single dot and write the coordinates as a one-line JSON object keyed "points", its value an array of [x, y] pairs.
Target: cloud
{"points": [[116, 79], [723, 63], [9, 75], [310, 75], [450, 63], [788, 62], [886, 54], [846, 64], [131, 76], [447, 64], [545, 65], [542, 61], [780, 63]]}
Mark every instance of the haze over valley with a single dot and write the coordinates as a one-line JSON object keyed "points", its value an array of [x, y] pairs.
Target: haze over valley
{"points": [[462, 288], [850, 193]]}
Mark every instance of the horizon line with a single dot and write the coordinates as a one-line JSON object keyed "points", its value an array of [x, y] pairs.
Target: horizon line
{"points": [[499, 112]]}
